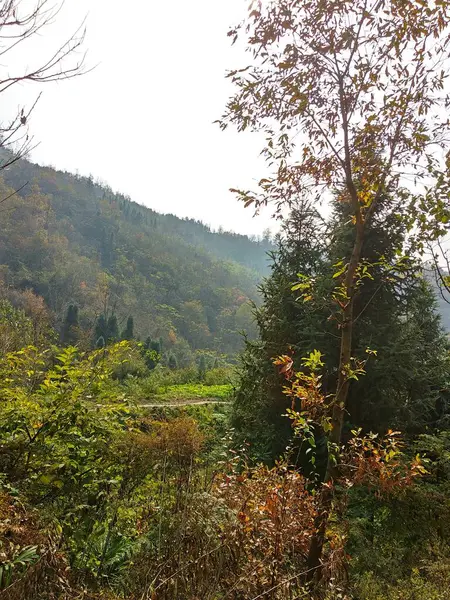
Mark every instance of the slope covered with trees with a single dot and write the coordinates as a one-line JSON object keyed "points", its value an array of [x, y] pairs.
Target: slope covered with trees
{"points": [[75, 242], [123, 474]]}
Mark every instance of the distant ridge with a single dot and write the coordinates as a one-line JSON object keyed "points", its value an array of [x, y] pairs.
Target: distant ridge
{"points": [[75, 241]]}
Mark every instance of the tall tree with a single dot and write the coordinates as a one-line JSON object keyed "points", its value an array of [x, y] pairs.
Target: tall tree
{"points": [[128, 332], [113, 329], [259, 409], [70, 333], [172, 362], [202, 367], [101, 332], [402, 386], [351, 96]]}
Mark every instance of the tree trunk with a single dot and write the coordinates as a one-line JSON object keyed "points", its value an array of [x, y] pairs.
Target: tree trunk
{"points": [[339, 407]]}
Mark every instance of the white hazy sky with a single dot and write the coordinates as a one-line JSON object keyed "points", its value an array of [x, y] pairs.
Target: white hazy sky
{"points": [[142, 120]]}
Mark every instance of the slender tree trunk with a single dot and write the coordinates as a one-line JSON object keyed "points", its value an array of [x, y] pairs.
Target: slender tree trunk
{"points": [[338, 411]]}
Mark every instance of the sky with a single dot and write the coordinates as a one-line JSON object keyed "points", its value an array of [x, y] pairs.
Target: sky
{"points": [[142, 119]]}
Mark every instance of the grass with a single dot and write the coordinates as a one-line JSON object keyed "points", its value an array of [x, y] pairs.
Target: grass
{"points": [[192, 391]]}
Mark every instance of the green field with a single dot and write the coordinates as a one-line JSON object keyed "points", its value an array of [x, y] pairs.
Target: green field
{"points": [[193, 391]]}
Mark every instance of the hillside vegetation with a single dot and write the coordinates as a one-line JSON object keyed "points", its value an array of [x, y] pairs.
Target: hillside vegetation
{"points": [[73, 241], [142, 457]]}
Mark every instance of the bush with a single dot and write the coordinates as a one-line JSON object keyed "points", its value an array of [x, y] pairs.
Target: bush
{"points": [[126, 361], [179, 376], [143, 388], [431, 582], [218, 376]]}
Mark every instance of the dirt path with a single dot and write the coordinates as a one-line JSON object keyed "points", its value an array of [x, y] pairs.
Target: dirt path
{"points": [[191, 402]]}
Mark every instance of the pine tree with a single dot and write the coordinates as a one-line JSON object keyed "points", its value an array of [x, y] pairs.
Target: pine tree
{"points": [[284, 324], [155, 345], [402, 385], [151, 353], [202, 368], [101, 332], [69, 333], [128, 332], [172, 362], [390, 395], [113, 329]]}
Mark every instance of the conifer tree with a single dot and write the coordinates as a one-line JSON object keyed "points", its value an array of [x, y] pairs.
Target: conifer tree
{"points": [[128, 332], [101, 332], [113, 329], [284, 323], [69, 333], [202, 368], [151, 353], [155, 345], [403, 384]]}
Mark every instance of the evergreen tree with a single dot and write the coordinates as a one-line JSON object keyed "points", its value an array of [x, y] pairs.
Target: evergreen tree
{"points": [[155, 345], [172, 362], [284, 323], [113, 329], [69, 333], [151, 353], [402, 385], [101, 332], [128, 332], [202, 368]]}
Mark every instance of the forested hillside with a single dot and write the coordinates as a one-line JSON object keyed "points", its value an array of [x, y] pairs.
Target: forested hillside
{"points": [[76, 242], [142, 456]]}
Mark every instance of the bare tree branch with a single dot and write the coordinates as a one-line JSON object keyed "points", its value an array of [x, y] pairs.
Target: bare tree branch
{"points": [[19, 24]]}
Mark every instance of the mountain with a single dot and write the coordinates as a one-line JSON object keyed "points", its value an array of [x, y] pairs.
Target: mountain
{"points": [[75, 241]]}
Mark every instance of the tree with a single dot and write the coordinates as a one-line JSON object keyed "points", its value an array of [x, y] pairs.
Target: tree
{"points": [[364, 83], [202, 367], [113, 329], [151, 352], [128, 332], [172, 362], [35, 308], [16, 329], [156, 346], [401, 388], [259, 408], [69, 333], [440, 266], [101, 332], [18, 24]]}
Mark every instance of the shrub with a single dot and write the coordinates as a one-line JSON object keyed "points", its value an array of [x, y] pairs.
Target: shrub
{"points": [[128, 361], [218, 376]]}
